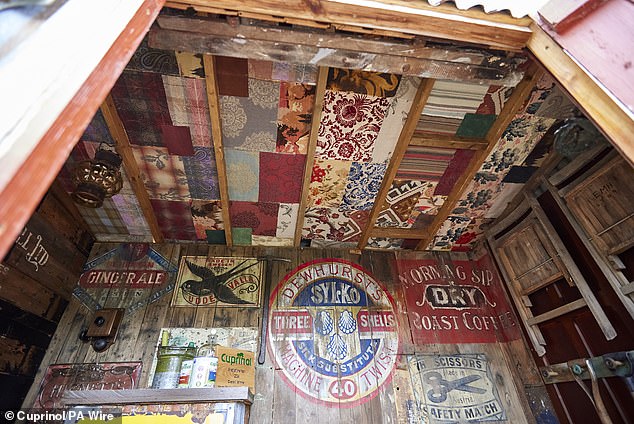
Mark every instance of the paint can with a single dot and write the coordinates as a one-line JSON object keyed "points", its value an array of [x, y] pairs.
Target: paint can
{"points": [[168, 365]]}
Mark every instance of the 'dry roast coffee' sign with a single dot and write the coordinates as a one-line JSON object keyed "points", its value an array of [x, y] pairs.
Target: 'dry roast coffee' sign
{"points": [[333, 332], [456, 302]]}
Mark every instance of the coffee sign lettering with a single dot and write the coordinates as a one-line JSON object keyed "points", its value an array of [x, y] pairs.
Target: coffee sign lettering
{"points": [[457, 302]]}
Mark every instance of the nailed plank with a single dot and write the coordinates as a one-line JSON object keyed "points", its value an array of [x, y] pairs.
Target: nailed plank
{"points": [[511, 107], [115, 125], [417, 18], [422, 94], [392, 232], [328, 57], [449, 142], [213, 100], [557, 312], [155, 396], [320, 90], [609, 115]]}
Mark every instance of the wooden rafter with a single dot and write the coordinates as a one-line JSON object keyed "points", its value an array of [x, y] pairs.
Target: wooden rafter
{"points": [[402, 16], [301, 47], [120, 137], [420, 99], [397, 233], [511, 107], [320, 90], [213, 99], [448, 142]]}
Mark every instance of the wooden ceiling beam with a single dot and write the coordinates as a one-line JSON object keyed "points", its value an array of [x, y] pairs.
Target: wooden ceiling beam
{"points": [[418, 18], [247, 48], [213, 99], [122, 143], [320, 91], [448, 142], [394, 232], [511, 107], [420, 99], [265, 31]]}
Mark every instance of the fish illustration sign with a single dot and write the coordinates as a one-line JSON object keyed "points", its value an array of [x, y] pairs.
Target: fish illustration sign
{"points": [[333, 332]]}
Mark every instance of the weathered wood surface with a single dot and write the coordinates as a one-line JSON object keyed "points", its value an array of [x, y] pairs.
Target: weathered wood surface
{"points": [[409, 18], [336, 57], [274, 399]]}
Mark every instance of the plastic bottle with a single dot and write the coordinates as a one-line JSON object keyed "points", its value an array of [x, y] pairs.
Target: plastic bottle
{"points": [[205, 364], [186, 368]]}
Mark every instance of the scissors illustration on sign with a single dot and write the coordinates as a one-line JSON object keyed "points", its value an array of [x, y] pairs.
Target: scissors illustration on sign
{"points": [[440, 387]]}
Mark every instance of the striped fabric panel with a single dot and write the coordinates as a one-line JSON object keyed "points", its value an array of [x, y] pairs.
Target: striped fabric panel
{"points": [[453, 99], [438, 125], [424, 163]]}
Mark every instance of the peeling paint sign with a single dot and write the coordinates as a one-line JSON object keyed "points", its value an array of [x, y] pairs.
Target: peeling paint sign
{"points": [[333, 332], [455, 388], [456, 302]]}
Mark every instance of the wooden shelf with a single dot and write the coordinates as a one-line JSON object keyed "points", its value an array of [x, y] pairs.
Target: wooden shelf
{"points": [[158, 396]]}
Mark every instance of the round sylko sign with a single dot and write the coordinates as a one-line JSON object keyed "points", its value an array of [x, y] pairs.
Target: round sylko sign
{"points": [[333, 332]]}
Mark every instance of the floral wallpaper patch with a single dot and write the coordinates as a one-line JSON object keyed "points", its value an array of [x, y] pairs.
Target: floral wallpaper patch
{"points": [[334, 224], [206, 215], [428, 202], [174, 219], [450, 231], [251, 123], [349, 126], [395, 117], [287, 220], [399, 202], [364, 182], [281, 177], [232, 115], [163, 174], [363, 82], [243, 171], [260, 217], [384, 243], [328, 182], [294, 117]]}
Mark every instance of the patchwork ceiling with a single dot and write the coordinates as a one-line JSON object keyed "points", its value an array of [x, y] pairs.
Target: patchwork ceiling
{"points": [[256, 151]]}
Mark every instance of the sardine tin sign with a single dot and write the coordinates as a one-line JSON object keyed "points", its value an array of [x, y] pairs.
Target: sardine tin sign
{"points": [[333, 332]]}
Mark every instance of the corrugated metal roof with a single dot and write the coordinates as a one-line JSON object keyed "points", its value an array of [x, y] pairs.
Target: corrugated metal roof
{"points": [[517, 8]]}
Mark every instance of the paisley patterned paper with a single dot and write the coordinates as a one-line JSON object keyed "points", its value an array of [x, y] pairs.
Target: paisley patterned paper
{"points": [[349, 126]]}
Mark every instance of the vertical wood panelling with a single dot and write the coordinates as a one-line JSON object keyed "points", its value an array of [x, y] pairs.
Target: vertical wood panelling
{"points": [[275, 400]]}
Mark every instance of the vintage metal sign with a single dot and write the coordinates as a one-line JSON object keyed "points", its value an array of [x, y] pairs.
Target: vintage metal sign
{"points": [[333, 332], [129, 276], [230, 281], [457, 302], [105, 376], [455, 388]]}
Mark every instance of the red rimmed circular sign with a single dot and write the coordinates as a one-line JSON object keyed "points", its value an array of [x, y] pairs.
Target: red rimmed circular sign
{"points": [[333, 332]]}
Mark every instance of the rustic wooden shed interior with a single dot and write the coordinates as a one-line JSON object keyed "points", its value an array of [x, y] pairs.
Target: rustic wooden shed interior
{"points": [[463, 175]]}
